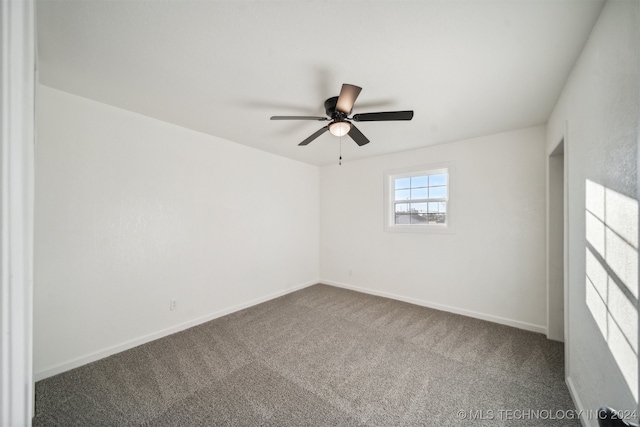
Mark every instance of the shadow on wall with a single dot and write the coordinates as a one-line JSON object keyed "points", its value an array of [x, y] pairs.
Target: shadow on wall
{"points": [[612, 274]]}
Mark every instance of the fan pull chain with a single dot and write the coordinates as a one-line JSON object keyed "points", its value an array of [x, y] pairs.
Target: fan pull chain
{"points": [[340, 160]]}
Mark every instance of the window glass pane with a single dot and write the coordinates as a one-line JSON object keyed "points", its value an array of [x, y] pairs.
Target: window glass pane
{"points": [[437, 207], [418, 218], [437, 218], [417, 193], [419, 181], [403, 194], [419, 207], [437, 213], [402, 207], [403, 183], [439, 179], [437, 192], [403, 219]]}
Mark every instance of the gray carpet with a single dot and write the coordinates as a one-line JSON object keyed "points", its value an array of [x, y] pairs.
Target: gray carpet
{"points": [[322, 356]]}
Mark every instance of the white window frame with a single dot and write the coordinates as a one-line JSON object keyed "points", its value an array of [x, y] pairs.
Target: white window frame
{"points": [[389, 198]]}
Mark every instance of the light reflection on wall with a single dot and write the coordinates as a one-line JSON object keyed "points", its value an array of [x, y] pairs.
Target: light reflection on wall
{"points": [[612, 274]]}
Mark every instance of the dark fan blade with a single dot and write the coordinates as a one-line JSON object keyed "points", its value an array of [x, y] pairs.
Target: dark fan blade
{"points": [[347, 98], [381, 117], [314, 136], [320, 119], [357, 136]]}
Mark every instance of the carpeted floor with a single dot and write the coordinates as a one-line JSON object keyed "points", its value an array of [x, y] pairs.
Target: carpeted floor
{"points": [[321, 356]]}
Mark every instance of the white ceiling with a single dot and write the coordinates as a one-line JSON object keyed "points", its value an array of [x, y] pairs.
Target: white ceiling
{"points": [[467, 68]]}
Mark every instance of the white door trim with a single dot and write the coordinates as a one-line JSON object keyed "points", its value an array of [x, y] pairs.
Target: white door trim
{"points": [[17, 49]]}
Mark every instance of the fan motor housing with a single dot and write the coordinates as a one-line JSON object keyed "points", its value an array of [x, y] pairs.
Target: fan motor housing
{"points": [[330, 108]]}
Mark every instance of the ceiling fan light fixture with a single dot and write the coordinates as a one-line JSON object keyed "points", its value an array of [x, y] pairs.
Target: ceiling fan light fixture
{"points": [[338, 109], [339, 128]]}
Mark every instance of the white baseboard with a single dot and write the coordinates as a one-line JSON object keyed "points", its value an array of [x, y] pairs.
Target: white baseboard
{"points": [[101, 354], [495, 319], [586, 420]]}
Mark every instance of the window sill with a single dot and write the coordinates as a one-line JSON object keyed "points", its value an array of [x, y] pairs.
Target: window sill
{"points": [[435, 229]]}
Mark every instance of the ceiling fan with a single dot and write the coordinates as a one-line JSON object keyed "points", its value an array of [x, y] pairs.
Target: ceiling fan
{"points": [[338, 109]]}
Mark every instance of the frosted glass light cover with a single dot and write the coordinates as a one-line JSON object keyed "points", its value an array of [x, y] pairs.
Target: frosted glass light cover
{"points": [[340, 128]]}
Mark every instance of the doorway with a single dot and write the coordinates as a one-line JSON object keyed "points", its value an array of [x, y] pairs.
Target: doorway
{"points": [[556, 244]]}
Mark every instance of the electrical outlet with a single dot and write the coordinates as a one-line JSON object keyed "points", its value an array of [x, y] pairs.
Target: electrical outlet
{"points": [[173, 305]]}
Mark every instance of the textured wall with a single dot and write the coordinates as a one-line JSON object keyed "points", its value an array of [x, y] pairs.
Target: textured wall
{"points": [[597, 115], [132, 212], [492, 266]]}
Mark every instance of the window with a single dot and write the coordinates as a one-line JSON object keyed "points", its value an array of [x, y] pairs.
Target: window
{"points": [[418, 199]]}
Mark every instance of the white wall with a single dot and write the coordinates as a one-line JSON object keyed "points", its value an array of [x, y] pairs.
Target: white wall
{"points": [[132, 212], [492, 267], [598, 116]]}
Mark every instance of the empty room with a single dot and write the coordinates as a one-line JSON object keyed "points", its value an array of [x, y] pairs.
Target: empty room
{"points": [[319, 213]]}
